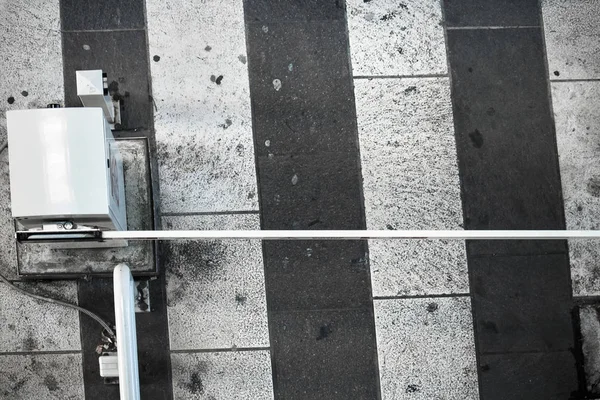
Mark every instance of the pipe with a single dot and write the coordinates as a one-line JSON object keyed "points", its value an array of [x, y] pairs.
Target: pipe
{"points": [[354, 235], [127, 356]]}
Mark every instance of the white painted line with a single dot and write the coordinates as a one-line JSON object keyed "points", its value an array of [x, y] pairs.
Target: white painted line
{"points": [[458, 28], [352, 235]]}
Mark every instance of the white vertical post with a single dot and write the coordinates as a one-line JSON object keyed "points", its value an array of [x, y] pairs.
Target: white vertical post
{"points": [[127, 357]]}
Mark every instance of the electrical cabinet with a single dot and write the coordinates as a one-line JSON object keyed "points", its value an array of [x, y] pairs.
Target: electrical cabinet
{"points": [[65, 168]]}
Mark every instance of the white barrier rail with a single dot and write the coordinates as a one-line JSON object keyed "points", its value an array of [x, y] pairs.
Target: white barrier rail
{"points": [[353, 235], [129, 382]]}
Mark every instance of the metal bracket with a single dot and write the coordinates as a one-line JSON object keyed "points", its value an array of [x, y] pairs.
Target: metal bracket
{"points": [[142, 295], [59, 235], [117, 113]]}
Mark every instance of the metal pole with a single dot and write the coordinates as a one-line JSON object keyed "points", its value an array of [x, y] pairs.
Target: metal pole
{"points": [[127, 357], [353, 235]]}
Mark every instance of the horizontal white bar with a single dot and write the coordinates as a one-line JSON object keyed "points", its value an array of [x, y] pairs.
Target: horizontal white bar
{"points": [[350, 235]]}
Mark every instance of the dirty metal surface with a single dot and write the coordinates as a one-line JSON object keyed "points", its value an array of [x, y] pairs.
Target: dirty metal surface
{"points": [[44, 261]]}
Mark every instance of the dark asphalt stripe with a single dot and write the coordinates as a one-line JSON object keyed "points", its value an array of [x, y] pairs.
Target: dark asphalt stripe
{"points": [[510, 179], [123, 56], [460, 13], [115, 39], [319, 302], [153, 342]]}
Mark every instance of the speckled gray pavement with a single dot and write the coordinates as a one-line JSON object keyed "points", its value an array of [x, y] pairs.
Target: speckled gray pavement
{"points": [[30, 325], [44, 377], [410, 181], [215, 289], [571, 32], [243, 375], [31, 65], [426, 349], [571, 29], [396, 38], [327, 114], [8, 256], [202, 117], [577, 129]]}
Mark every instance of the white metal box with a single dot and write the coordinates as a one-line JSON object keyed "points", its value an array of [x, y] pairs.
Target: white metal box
{"points": [[65, 166], [91, 92]]}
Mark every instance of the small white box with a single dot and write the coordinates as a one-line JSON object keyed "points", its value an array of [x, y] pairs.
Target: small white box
{"points": [[109, 365], [90, 89], [65, 166]]}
